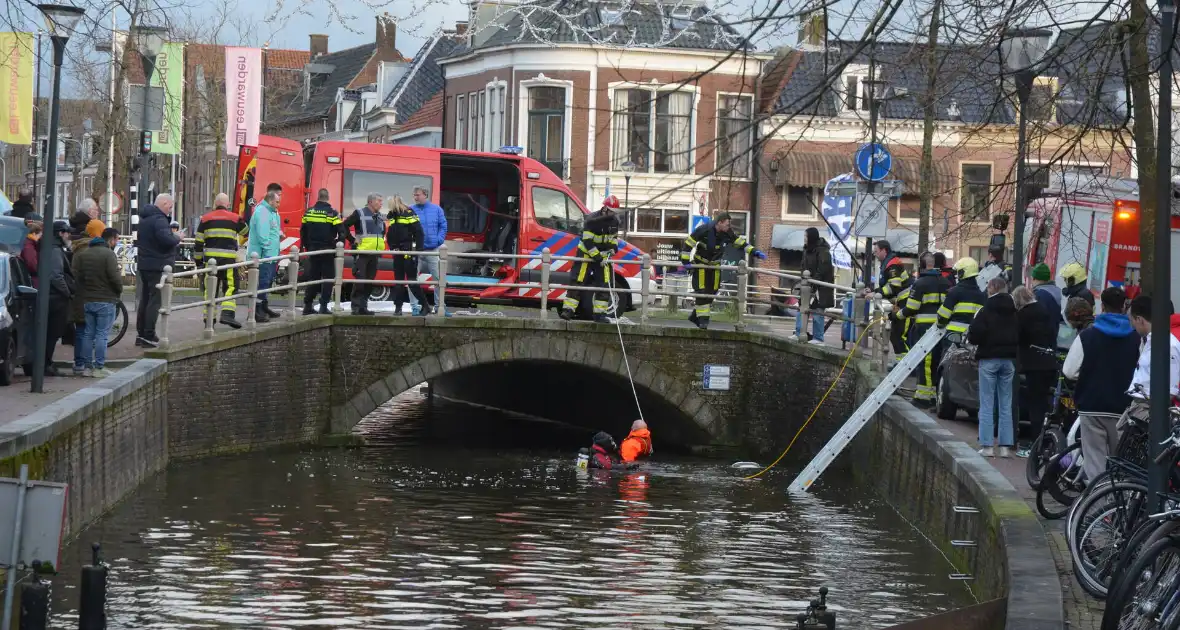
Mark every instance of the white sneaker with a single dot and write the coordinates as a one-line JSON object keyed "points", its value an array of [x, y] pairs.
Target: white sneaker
{"points": [[101, 373], [815, 342], [793, 338], [987, 451], [1005, 451]]}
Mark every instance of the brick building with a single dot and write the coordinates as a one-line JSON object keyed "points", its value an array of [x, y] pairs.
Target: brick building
{"points": [[591, 86]]}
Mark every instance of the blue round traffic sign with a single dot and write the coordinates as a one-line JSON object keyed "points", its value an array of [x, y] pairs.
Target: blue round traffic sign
{"points": [[873, 161]]}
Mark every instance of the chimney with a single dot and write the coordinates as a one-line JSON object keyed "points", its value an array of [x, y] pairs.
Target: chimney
{"points": [[386, 38], [317, 45], [461, 28], [814, 30]]}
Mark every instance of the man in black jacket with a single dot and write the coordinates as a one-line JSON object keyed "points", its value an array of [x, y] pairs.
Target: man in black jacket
{"points": [[817, 260], [23, 206], [701, 255], [319, 234], [157, 248], [995, 333], [58, 277], [921, 307], [600, 240]]}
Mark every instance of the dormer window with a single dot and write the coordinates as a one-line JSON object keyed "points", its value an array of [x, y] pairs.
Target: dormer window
{"points": [[854, 89]]}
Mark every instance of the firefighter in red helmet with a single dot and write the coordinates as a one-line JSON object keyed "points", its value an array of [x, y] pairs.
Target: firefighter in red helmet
{"points": [[600, 239]]}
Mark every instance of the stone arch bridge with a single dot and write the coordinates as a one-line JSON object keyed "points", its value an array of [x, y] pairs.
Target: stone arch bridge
{"points": [[301, 381]]}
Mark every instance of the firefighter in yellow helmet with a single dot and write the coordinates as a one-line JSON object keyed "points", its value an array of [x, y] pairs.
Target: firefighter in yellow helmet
{"points": [[964, 299], [1074, 275]]}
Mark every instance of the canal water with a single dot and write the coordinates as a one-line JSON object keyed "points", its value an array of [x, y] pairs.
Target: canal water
{"points": [[495, 529]]}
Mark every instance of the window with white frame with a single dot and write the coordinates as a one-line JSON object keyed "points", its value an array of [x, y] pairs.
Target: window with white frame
{"points": [[854, 89], [546, 127], [660, 221], [460, 122], [472, 122], [652, 129], [495, 127], [975, 194], [907, 210], [735, 135], [798, 202], [479, 133], [739, 221]]}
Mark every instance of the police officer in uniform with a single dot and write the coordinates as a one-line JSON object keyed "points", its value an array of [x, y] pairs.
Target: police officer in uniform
{"points": [[370, 236], [926, 298], [963, 300], [319, 234], [894, 282], [701, 256], [600, 239], [217, 238]]}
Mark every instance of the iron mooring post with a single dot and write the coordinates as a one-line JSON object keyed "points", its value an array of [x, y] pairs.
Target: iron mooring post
{"points": [[92, 596]]}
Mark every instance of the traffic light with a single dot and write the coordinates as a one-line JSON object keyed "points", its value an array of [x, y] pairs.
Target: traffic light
{"points": [[145, 142]]}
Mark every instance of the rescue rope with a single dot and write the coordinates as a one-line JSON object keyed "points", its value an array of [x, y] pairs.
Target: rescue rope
{"points": [[614, 299], [820, 404]]}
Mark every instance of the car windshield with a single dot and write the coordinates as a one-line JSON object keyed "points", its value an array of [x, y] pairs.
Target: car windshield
{"points": [[12, 233]]}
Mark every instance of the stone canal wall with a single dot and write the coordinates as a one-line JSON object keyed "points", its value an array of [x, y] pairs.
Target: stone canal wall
{"points": [[103, 440], [949, 493]]}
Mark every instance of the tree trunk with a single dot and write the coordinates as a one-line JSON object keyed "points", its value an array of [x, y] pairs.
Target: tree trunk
{"points": [[1143, 130], [926, 186]]}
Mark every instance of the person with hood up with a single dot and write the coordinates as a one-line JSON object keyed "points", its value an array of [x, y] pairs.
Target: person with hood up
{"points": [[1037, 355], [601, 451], [157, 248], [637, 443], [59, 279], [1074, 275], [995, 333], [1102, 360], [817, 260], [1048, 294]]}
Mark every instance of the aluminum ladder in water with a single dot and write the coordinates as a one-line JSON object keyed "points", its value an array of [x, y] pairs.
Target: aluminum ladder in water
{"points": [[867, 409]]}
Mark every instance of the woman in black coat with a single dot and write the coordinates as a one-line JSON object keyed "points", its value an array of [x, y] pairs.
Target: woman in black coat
{"points": [[1037, 359]]}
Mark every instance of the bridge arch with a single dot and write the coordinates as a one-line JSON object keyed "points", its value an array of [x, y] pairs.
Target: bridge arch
{"points": [[650, 379]]}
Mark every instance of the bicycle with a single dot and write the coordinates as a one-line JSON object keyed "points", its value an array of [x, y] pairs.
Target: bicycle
{"points": [[1063, 479], [1051, 441]]}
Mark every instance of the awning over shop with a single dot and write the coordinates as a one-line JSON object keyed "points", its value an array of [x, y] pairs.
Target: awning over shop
{"points": [[815, 168], [785, 236]]}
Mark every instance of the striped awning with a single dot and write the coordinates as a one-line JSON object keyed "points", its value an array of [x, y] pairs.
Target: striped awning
{"points": [[814, 169]]}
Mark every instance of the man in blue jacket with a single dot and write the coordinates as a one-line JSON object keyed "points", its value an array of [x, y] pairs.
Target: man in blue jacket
{"points": [[157, 248], [434, 230], [266, 234]]}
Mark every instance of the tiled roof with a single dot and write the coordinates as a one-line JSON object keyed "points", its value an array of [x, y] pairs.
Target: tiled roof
{"points": [[347, 65], [429, 115], [643, 24], [423, 79]]}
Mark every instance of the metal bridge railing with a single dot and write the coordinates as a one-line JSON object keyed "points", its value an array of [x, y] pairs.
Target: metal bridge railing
{"points": [[739, 297]]}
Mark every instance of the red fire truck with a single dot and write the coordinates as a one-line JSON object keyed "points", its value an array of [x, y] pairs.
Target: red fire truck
{"points": [[494, 203], [1092, 220]]}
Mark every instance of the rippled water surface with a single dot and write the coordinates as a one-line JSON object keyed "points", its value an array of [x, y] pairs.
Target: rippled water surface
{"points": [[446, 536]]}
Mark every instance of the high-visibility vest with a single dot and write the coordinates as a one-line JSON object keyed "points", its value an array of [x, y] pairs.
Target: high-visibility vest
{"points": [[372, 227]]}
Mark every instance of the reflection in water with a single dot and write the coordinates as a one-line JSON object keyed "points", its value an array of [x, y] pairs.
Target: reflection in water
{"points": [[426, 535]]}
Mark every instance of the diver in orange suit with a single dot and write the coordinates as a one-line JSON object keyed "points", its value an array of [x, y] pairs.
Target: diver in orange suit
{"points": [[637, 444]]}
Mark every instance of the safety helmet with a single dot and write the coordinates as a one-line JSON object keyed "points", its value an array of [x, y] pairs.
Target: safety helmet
{"points": [[1073, 273], [611, 202], [966, 267]]}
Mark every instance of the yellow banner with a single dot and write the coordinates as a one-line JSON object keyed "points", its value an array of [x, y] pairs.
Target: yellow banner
{"points": [[16, 75]]}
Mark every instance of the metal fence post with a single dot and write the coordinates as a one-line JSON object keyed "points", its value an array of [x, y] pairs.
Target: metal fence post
{"points": [[293, 282], [338, 278], [884, 335], [644, 286], [743, 282], [440, 292], [165, 304], [546, 260], [857, 320], [211, 297], [252, 291], [804, 305]]}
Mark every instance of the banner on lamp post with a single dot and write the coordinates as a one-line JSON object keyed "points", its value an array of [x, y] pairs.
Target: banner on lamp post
{"points": [[169, 75], [16, 74], [243, 97]]}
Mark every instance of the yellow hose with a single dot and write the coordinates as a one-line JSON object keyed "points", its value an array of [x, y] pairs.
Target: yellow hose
{"points": [[821, 401]]}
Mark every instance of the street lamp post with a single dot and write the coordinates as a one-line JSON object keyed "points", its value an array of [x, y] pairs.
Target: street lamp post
{"points": [[148, 42], [60, 20], [1022, 51], [628, 169]]}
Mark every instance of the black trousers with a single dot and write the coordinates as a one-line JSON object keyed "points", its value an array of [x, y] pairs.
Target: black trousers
{"points": [[1038, 396], [363, 268], [59, 318], [897, 335], [927, 370], [147, 307], [587, 274], [406, 268], [705, 280], [320, 267], [228, 285]]}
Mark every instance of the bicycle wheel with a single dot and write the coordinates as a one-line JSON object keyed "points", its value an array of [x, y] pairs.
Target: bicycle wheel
{"points": [[1152, 590], [119, 328], [1049, 443], [1146, 533], [1056, 473], [1068, 487], [1101, 527]]}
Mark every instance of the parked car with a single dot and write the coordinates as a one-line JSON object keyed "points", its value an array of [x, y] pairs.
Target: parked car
{"points": [[17, 301], [958, 385]]}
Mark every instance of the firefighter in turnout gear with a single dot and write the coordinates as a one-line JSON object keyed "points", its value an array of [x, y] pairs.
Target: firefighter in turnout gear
{"points": [[922, 307], [963, 300], [702, 256], [894, 284], [319, 234], [600, 239], [217, 238]]}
